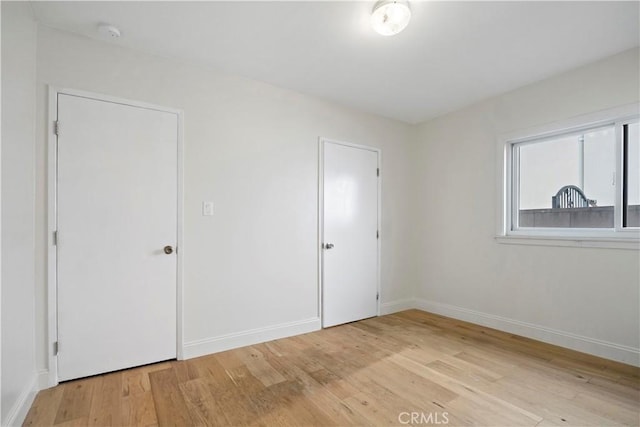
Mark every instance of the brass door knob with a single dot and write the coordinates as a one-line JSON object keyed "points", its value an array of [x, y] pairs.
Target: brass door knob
{"points": [[168, 250]]}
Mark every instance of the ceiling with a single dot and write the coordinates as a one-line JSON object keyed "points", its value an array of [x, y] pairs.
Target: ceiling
{"points": [[451, 54]]}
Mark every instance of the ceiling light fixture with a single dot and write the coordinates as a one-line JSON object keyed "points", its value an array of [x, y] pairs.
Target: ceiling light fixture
{"points": [[389, 17]]}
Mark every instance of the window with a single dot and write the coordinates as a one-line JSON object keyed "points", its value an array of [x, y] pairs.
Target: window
{"points": [[580, 182], [567, 181]]}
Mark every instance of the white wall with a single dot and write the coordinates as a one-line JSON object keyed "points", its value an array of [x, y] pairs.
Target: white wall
{"points": [[252, 149], [18, 162], [582, 298]]}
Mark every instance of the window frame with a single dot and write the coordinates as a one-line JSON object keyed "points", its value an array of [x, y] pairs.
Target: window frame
{"points": [[507, 230]]}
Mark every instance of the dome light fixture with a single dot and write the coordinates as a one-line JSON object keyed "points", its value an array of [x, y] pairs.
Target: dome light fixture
{"points": [[389, 17]]}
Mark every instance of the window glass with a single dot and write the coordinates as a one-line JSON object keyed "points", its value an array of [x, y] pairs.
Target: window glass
{"points": [[568, 181], [632, 184]]}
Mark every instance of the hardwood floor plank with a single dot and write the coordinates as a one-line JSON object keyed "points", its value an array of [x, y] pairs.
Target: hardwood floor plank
{"points": [[185, 370], [387, 374], [76, 422], [237, 391], [608, 409], [300, 409], [485, 414], [464, 389], [45, 407], [203, 406], [136, 380], [106, 401], [339, 387], [171, 408], [325, 395], [550, 407], [261, 369], [139, 409], [378, 411], [76, 400], [367, 373]]}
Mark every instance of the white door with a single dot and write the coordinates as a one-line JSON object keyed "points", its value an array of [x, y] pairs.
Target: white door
{"points": [[116, 212], [350, 232]]}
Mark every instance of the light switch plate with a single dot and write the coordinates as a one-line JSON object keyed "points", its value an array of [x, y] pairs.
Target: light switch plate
{"points": [[207, 208]]}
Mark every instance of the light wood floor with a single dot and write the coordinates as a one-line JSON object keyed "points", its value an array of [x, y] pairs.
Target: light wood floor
{"points": [[365, 373]]}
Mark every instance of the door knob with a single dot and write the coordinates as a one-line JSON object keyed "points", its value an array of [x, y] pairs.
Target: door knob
{"points": [[168, 250], [328, 245]]}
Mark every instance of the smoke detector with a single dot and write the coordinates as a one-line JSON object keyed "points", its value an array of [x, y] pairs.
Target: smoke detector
{"points": [[108, 31]]}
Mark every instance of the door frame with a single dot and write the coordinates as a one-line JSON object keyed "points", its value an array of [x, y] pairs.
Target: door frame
{"points": [[321, 144], [52, 220]]}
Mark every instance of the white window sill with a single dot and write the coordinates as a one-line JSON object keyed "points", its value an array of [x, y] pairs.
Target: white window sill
{"points": [[629, 243]]}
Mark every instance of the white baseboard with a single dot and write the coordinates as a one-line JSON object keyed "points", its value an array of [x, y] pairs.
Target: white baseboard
{"points": [[605, 349], [20, 408], [396, 306], [250, 337], [44, 381]]}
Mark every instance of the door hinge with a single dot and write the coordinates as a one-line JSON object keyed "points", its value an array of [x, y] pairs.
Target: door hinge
{"points": [[377, 296], [377, 171], [55, 238], [56, 348], [377, 234], [56, 128]]}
